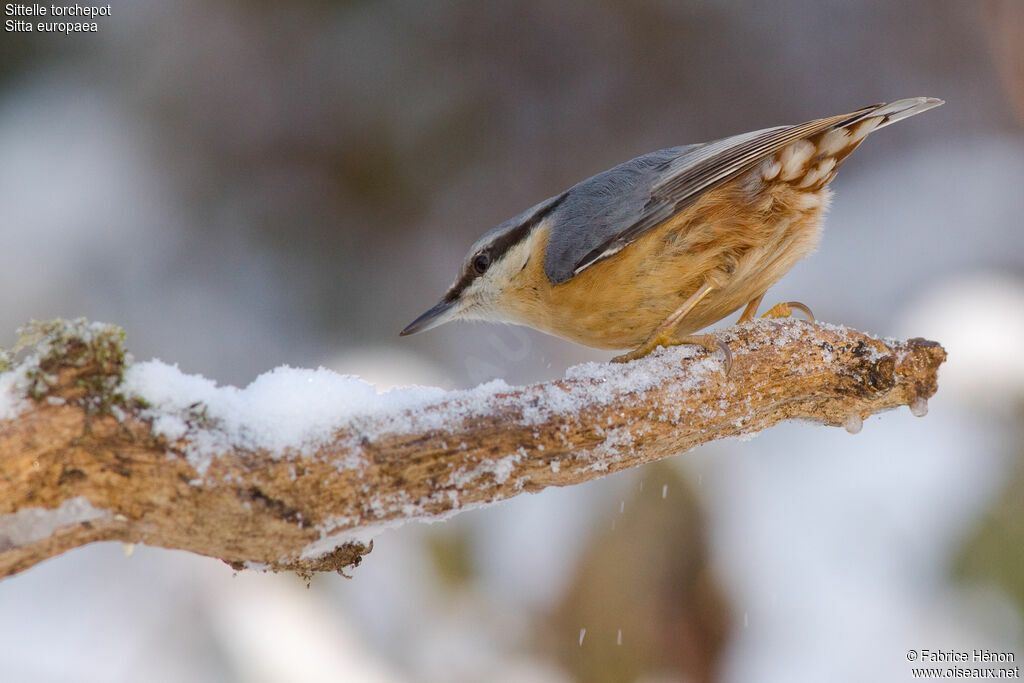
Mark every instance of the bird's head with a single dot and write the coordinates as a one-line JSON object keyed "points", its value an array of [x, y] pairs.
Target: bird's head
{"points": [[488, 272]]}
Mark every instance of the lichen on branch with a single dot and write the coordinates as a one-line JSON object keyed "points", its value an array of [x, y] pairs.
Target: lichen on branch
{"points": [[300, 469]]}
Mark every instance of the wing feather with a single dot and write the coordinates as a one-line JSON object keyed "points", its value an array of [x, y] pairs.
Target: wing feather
{"points": [[602, 215]]}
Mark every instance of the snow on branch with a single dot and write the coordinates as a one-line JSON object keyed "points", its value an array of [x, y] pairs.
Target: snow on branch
{"points": [[299, 470]]}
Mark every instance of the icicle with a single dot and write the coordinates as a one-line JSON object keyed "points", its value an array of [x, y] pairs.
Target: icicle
{"points": [[919, 407], [853, 423]]}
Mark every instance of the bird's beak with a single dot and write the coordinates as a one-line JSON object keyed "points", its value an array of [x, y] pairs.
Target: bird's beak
{"points": [[438, 315]]}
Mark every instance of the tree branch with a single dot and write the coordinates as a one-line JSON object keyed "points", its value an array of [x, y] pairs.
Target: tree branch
{"points": [[82, 459]]}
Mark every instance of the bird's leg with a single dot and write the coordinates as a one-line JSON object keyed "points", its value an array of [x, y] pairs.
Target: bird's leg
{"points": [[751, 310], [783, 309], [662, 335]]}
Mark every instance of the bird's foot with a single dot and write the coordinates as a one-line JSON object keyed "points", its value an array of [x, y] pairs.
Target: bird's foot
{"points": [[784, 309], [709, 342], [652, 342]]}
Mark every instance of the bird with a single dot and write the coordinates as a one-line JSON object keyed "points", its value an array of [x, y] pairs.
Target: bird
{"points": [[651, 251]]}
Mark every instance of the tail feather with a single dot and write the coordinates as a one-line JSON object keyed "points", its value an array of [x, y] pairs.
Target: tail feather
{"points": [[812, 162], [903, 109]]}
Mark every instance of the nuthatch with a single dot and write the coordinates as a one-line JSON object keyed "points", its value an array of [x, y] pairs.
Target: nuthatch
{"points": [[647, 253]]}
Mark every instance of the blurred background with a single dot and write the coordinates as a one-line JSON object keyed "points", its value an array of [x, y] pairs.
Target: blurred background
{"points": [[245, 184]]}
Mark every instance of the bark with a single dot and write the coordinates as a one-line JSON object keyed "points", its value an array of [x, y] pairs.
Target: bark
{"points": [[82, 463]]}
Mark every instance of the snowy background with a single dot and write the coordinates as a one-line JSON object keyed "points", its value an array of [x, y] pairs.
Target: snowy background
{"points": [[242, 185]]}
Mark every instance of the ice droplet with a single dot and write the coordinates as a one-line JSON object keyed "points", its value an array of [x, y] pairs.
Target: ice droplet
{"points": [[853, 423], [618, 640], [664, 491], [622, 506], [919, 407], [583, 632]]}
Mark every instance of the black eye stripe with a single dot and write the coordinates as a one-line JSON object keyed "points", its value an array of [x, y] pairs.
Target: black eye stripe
{"points": [[502, 244]]}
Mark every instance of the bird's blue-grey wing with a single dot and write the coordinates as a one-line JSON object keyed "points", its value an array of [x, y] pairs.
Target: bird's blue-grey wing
{"points": [[605, 213]]}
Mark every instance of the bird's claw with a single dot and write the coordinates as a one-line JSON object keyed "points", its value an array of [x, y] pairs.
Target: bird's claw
{"points": [[708, 342], [784, 309]]}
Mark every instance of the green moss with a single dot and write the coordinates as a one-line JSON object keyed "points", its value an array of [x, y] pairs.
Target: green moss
{"points": [[93, 353], [994, 554], [450, 548]]}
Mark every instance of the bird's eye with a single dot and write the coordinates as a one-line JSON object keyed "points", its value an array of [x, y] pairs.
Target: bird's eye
{"points": [[481, 262]]}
